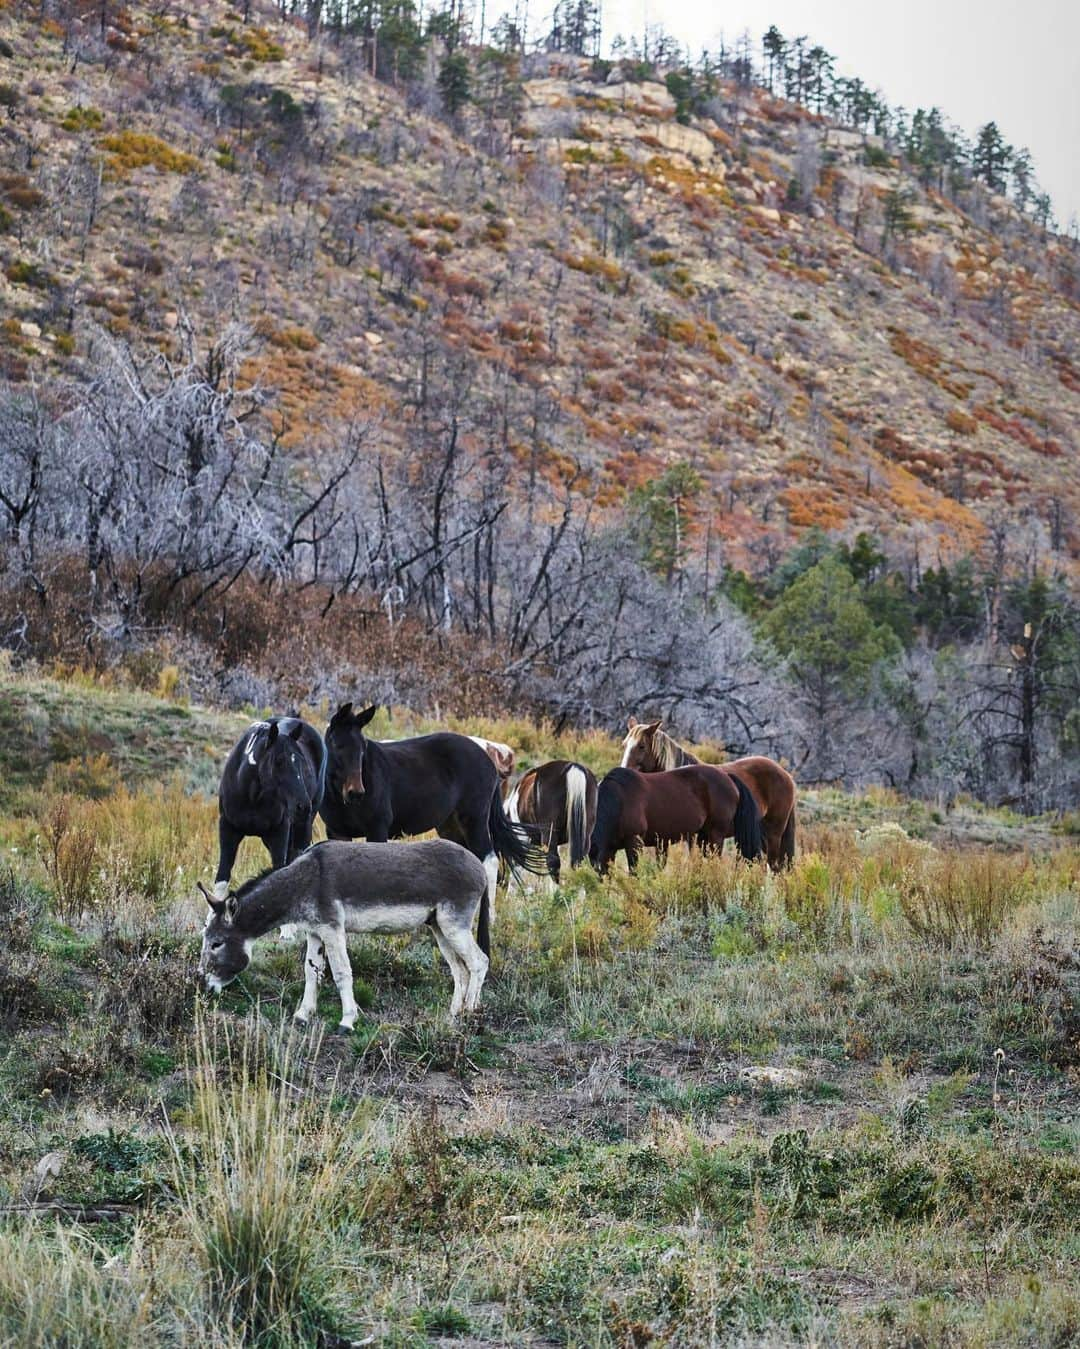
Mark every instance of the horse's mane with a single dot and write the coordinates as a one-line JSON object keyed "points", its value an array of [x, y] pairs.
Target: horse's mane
{"points": [[672, 755]]}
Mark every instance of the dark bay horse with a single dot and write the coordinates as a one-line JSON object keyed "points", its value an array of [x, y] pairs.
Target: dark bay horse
{"points": [[384, 789], [271, 787], [651, 750], [560, 799], [694, 804]]}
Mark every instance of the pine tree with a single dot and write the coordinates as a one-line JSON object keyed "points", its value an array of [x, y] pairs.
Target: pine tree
{"points": [[455, 82], [991, 158]]}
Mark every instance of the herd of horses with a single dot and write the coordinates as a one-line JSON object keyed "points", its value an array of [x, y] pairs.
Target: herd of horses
{"points": [[282, 774]]}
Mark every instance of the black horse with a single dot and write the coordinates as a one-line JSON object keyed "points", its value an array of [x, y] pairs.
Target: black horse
{"points": [[272, 786], [380, 790]]}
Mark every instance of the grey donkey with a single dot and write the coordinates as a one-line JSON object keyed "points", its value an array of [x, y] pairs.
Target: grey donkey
{"points": [[336, 888]]}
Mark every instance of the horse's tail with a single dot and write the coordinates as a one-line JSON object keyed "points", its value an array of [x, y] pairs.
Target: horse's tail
{"points": [[517, 844], [749, 834], [787, 841], [577, 830]]}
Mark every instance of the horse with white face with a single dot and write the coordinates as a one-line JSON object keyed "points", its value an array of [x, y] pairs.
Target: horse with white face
{"points": [[337, 888]]}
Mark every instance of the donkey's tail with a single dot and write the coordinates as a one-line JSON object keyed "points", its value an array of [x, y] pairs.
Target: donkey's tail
{"points": [[577, 831], [787, 842], [517, 844], [749, 834], [483, 923]]}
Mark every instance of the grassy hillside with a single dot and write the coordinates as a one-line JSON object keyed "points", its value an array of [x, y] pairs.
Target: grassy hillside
{"points": [[703, 1105], [627, 289]]}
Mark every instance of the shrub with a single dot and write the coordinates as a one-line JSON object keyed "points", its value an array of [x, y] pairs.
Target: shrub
{"points": [[130, 150], [965, 899], [79, 118], [259, 1203]]}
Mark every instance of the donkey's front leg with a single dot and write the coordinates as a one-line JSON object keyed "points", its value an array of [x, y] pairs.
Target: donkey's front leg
{"points": [[337, 953], [314, 965]]}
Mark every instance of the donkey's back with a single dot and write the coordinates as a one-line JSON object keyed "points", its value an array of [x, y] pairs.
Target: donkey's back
{"points": [[428, 872]]}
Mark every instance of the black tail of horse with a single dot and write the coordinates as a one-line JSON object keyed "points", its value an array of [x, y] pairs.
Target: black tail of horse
{"points": [[749, 834], [577, 831], [787, 841], [517, 844]]}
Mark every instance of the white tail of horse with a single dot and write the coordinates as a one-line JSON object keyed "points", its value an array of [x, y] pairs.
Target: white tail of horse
{"points": [[576, 826]]}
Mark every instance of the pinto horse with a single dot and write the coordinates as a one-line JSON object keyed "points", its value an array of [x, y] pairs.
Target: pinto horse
{"points": [[693, 804], [271, 787], [560, 798], [651, 750], [380, 790]]}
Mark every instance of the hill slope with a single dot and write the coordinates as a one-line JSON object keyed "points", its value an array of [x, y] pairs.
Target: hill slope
{"points": [[616, 291]]}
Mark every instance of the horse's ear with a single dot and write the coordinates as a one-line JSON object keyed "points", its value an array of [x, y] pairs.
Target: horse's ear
{"points": [[272, 734], [216, 904], [631, 722], [297, 731], [230, 906], [343, 713], [362, 718], [653, 726]]}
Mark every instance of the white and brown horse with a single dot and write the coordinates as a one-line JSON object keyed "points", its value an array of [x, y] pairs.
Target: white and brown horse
{"points": [[649, 749], [560, 799]]}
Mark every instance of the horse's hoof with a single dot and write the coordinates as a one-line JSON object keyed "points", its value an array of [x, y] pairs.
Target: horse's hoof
{"points": [[343, 1031]]}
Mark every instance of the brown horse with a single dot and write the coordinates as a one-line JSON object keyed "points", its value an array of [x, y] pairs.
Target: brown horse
{"points": [[560, 798], [694, 804], [650, 750]]}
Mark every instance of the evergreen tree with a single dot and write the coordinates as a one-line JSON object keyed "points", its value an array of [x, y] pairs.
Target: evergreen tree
{"points": [[455, 82], [661, 510], [991, 157]]}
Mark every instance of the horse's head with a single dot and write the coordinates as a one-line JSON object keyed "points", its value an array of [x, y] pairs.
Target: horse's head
{"points": [[272, 755], [225, 951], [640, 748], [347, 750]]}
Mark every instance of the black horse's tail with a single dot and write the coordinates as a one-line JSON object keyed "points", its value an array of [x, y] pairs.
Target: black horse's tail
{"points": [[749, 834], [787, 842], [577, 829], [517, 844]]}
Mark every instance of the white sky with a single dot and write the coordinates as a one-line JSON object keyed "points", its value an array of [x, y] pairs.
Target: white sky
{"points": [[1015, 63]]}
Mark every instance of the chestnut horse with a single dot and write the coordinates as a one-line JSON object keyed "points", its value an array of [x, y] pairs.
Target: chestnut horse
{"points": [[651, 750], [694, 804]]}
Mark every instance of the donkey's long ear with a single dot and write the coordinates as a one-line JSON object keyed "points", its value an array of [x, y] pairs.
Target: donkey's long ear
{"points": [[297, 731], [230, 906], [343, 713], [362, 718], [631, 722], [216, 904]]}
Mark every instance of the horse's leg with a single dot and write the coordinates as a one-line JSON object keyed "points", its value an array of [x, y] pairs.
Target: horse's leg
{"points": [[476, 836], [300, 835], [554, 863], [460, 937], [458, 969], [314, 965], [229, 839], [661, 851], [277, 845], [632, 855], [333, 939]]}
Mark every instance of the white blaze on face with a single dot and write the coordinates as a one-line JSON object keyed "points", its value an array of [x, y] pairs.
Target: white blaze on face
{"points": [[628, 746]]}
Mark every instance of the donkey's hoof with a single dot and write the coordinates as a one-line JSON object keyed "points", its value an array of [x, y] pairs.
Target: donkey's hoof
{"points": [[299, 1020]]}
